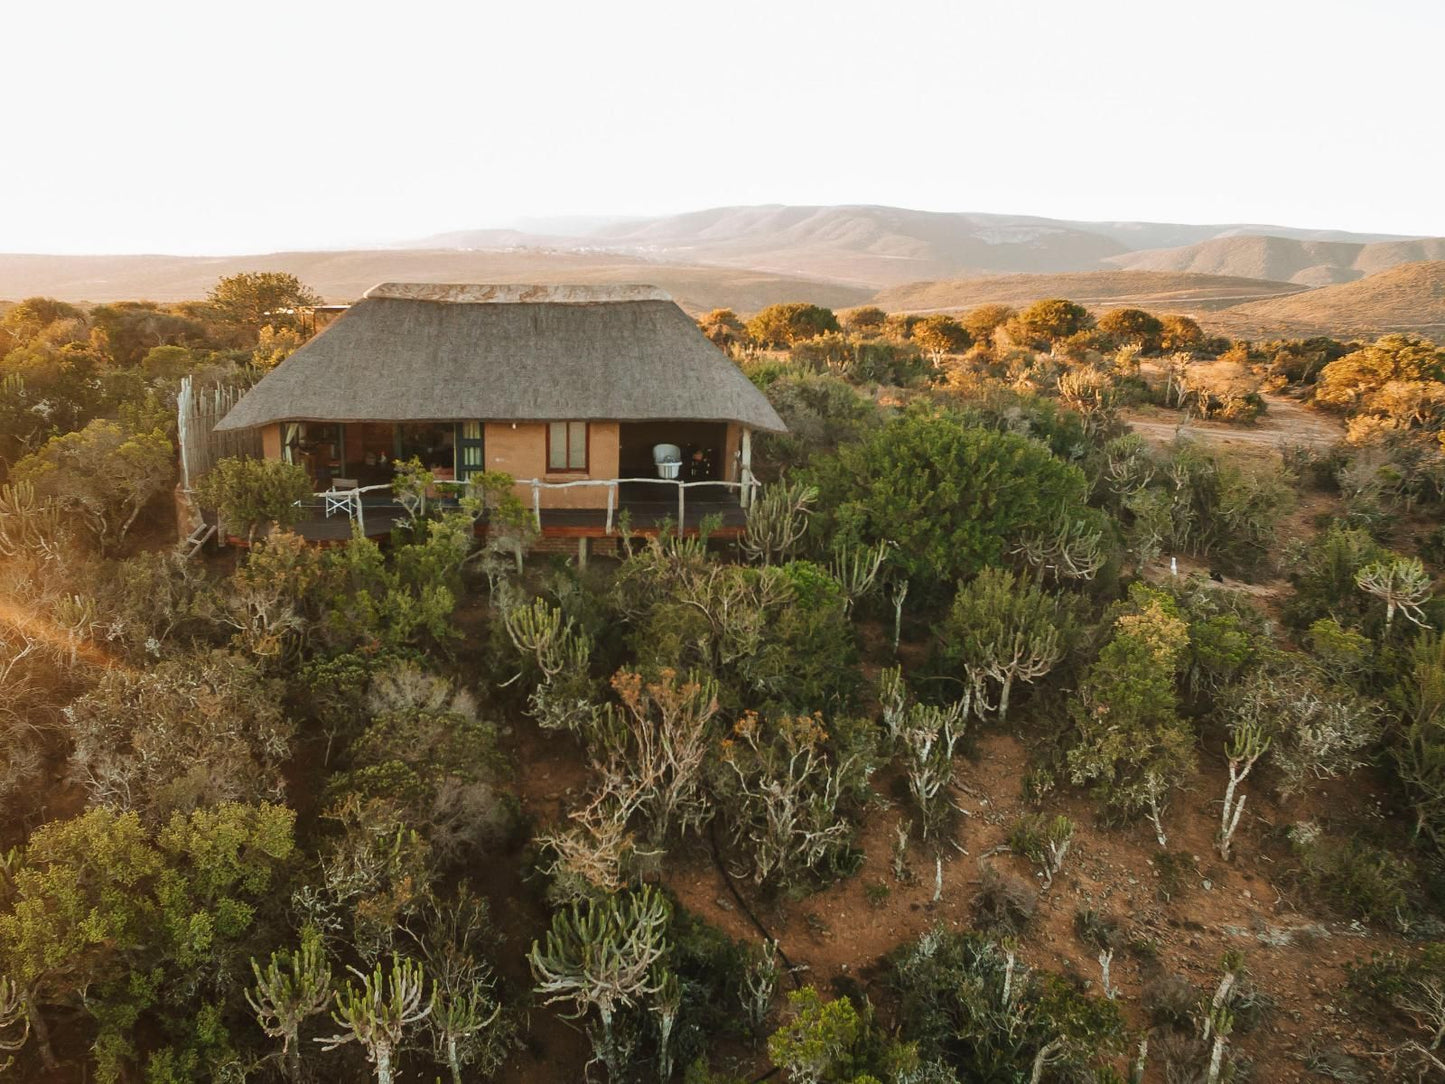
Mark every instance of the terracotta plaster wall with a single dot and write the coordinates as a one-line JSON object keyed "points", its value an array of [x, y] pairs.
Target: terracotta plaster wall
{"points": [[521, 451]]}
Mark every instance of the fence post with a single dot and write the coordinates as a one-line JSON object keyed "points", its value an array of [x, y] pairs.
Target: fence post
{"points": [[746, 475], [681, 507], [611, 503], [537, 503], [360, 514]]}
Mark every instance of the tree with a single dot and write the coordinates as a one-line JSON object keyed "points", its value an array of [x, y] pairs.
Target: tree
{"points": [[466, 1024], [821, 411], [1132, 745], [927, 736], [787, 782], [293, 988], [250, 493], [723, 328], [132, 329], [98, 909], [428, 754], [938, 335], [1402, 584], [183, 733], [604, 955], [869, 319], [777, 521], [1396, 378], [816, 1043], [982, 322], [14, 1023], [953, 496], [1001, 629], [1419, 748], [250, 300], [378, 1014], [24, 323], [1054, 320], [1249, 739], [1090, 392], [1179, 333], [274, 345], [784, 325], [1133, 327], [104, 471]]}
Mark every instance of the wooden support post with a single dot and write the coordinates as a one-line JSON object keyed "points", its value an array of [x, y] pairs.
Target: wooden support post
{"points": [[611, 504], [582, 551], [360, 515], [746, 477], [537, 503], [681, 508]]}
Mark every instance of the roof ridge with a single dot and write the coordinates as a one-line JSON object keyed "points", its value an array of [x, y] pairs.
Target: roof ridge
{"points": [[464, 293]]}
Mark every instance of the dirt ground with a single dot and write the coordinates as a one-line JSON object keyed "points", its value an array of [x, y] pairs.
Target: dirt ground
{"points": [[836, 938], [1285, 422]]}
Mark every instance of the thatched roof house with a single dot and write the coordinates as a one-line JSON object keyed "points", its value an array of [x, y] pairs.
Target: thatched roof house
{"points": [[421, 352], [563, 387]]}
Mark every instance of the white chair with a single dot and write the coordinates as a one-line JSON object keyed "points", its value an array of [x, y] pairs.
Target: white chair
{"points": [[340, 496], [668, 460]]}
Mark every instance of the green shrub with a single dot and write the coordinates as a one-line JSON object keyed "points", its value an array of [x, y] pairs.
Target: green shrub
{"points": [[1409, 985], [971, 1006], [953, 496], [1005, 904], [1356, 878], [777, 637], [250, 493]]}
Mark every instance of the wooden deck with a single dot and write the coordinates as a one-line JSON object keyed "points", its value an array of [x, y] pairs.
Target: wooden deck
{"points": [[645, 507]]}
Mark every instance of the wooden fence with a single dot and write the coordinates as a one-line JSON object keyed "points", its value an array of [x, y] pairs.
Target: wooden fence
{"points": [[197, 412]]}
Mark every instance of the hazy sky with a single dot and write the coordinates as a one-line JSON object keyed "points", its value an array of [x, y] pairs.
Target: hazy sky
{"points": [[209, 127]]}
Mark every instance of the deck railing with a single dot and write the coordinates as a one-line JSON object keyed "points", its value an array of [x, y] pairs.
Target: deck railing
{"points": [[333, 501], [747, 490], [349, 501]]}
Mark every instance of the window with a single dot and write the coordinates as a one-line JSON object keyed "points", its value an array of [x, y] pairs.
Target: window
{"points": [[567, 446], [471, 449]]}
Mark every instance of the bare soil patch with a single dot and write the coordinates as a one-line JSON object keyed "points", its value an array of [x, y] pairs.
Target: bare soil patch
{"points": [[1285, 422]]}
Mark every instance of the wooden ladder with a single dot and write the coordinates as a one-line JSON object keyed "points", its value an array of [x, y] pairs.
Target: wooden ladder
{"points": [[192, 543]]}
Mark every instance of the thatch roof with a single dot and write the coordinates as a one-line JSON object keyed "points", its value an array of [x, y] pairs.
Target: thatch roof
{"points": [[421, 352]]}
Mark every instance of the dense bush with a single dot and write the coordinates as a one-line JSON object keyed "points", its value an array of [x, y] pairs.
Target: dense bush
{"points": [[248, 494], [776, 636], [953, 496], [183, 734], [972, 1006]]}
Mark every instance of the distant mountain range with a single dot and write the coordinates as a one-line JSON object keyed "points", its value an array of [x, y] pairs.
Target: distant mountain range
{"points": [[1233, 275], [1307, 262], [889, 246]]}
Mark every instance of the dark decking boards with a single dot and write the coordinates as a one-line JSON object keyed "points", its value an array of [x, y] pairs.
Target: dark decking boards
{"points": [[646, 513]]}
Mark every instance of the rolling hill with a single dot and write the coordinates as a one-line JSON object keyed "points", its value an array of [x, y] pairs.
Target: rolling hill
{"points": [[1156, 290], [881, 246], [1410, 297], [1284, 259], [345, 276], [1240, 276]]}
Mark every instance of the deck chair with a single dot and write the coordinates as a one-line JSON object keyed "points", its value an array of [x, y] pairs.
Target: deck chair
{"points": [[339, 496]]}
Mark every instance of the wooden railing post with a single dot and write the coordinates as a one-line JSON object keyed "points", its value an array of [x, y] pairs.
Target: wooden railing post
{"points": [[360, 513], [611, 504], [537, 503], [681, 507], [746, 474]]}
